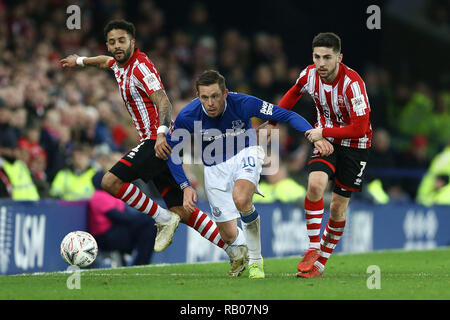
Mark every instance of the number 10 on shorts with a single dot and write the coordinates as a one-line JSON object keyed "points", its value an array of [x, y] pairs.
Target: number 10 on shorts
{"points": [[248, 162]]}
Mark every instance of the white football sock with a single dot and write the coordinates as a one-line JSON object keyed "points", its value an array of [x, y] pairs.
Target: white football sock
{"points": [[161, 215], [253, 238], [232, 249]]}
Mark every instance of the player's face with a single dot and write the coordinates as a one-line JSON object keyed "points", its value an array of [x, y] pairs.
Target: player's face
{"points": [[212, 99], [120, 45], [326, 62]]}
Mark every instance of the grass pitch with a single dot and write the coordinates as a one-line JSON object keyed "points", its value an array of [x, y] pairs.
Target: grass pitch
{"points": [[409, 275]]}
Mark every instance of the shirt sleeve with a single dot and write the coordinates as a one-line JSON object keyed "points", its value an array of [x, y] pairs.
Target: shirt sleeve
{"points": [[111, 62], [147, 78], [359, 114], [254, 107]]}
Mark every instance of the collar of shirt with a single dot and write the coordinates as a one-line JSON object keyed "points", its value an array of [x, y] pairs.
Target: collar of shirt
{"points": [[132, 58]]}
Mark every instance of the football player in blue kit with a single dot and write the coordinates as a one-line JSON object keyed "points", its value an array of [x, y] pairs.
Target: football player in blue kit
{"points": [[232, 160]]}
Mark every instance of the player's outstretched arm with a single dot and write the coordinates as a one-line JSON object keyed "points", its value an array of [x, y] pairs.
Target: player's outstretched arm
{"points": [[268, 111], [101, 62], [160, 99]]}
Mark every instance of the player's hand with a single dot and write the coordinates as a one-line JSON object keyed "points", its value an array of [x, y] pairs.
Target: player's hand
{"points": [[265, 139], [189, 199], [70, 61], [162, 148], [314, 135], [324, 147]]}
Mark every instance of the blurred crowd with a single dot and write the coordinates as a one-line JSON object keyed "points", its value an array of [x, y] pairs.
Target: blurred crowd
{"points": [[68, 124]]}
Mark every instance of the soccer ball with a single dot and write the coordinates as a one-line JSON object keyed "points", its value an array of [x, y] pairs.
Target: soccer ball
{"points": [[79, 248]]}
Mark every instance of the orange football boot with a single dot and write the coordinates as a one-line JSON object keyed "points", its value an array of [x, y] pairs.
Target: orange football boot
{"points": [[308, 260]]}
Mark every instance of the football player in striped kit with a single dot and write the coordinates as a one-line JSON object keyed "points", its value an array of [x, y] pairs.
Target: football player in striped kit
{"points": [[146, 101], [343, 111]]}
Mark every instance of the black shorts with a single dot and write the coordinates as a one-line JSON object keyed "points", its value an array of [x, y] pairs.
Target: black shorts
{"points": [[345, 166], [141, 162]]}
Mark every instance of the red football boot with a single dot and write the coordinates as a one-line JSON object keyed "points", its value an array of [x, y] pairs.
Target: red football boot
{"points": [[308, 260], [313, 273]]}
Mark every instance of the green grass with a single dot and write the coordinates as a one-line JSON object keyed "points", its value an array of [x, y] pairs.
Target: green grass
{"points": [[404, 275]]}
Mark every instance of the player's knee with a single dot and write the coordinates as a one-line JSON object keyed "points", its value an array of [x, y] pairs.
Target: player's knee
{"points": [[315, 189], [242, 202]]}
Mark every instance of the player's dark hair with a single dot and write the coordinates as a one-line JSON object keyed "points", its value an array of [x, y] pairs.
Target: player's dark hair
{"points": [[121, 25], [328, 40], [210, 77]]}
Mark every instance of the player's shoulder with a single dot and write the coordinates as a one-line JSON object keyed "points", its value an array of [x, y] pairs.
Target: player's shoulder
{"points": [[237, 98], [304, 74], [351, 74], [311, 67], [143, 64]]}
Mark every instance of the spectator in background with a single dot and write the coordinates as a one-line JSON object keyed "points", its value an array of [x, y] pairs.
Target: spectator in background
{"points": [[377, 97], [280, 187], [16, 181], [417, 116], [56, 139], [382, 157], [434, 186], [116, 227], [199, 24], [442, 117], [35, 157], [75, 182], [263, 83], [415, 158]]}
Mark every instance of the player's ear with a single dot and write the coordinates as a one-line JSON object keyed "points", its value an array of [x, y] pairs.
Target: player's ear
{"points": [[340, 56], [225, 93]]}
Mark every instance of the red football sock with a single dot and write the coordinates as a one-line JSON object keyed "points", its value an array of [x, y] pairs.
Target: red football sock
{"points": [[314, 214], [330, 239], [135, 198], [206, 227]]}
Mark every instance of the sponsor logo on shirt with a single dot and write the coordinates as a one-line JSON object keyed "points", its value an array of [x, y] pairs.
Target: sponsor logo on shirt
{"points": [[266, 108]]}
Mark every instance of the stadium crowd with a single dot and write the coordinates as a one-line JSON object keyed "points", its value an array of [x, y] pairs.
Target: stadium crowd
{"points": [[73, 122]]}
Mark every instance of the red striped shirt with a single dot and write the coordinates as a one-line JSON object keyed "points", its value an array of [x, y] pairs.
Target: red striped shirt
{"points": [[137, 80], [342, 106]]}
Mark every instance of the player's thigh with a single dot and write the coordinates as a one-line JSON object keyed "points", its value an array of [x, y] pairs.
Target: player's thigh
{"points": [[246, 168], [168, 188], [243, 191], [139, 162], [218, 187], [320, 170]]}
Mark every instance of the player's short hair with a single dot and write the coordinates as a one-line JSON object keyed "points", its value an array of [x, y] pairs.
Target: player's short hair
{"points": [[210, 77], [328, 40], [121, 25]]}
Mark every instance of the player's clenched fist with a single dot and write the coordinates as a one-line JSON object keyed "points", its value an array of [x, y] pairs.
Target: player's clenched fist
{"points": [[324, 147], [70, 61], [189, 199]]}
